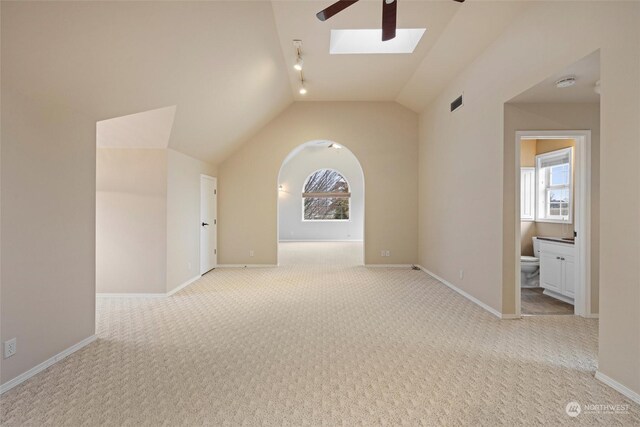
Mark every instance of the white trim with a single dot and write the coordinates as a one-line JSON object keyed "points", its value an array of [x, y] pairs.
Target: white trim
{"points": [[209, 177], [246, 265], [571, 185], [582, 217], [618, 387], [182, 286], [510, 317], [128, 295], [389, 265], [592, 316], [466, 295], [213, 179], [319, 240], [158, 295], [44, 365]]}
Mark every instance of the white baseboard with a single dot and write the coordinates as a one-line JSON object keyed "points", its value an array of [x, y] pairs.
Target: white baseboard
{"points": [[320, 240], [129, 295], [618, 387], [467, 296], [389, 265], [44, 365], [155, 295], [591, 316], [246, 265], [184, 285], [510, 316]]}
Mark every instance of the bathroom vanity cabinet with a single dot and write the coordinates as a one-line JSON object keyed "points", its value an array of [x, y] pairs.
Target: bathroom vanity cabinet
{"points": [[557, 270]]}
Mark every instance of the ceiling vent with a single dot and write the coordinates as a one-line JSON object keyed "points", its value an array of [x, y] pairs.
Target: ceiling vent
{"points": [[457, 103]]}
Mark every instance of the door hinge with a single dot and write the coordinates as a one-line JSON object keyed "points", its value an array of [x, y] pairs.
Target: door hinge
{"points": [[215, 252], [215, 191], [215, 221]]}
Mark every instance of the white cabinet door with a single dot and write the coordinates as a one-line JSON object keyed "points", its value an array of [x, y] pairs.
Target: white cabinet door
{"points": [[568, 273], [551, 271]]}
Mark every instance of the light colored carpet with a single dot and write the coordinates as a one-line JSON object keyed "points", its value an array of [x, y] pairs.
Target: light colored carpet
{"points": [[320, 253], [319, 346]]}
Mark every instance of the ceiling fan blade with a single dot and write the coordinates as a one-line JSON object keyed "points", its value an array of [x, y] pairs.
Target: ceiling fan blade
{"points": [[338, 6], [389, 12]]}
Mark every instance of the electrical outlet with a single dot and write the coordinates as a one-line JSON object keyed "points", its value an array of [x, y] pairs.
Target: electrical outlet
{"points": [[382, 252], [461, 274], [251, 252], [10, 347], [387, 253]]}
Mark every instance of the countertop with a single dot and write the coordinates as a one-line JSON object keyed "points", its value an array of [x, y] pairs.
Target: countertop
{"points": [[567, 240]]}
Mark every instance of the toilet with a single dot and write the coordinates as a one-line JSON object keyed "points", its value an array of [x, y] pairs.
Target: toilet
{"points": [[530, 268]]}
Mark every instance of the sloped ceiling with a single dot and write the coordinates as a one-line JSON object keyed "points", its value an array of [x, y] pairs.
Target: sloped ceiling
{"points": [[587, 73], [219, 63], [149, 129], [226, 66]]}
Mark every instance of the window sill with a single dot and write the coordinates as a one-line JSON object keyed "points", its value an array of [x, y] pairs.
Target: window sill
{"points": [[554, 221], [326, 220]]}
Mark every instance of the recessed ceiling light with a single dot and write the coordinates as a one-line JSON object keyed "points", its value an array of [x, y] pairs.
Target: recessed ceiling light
{"points": [[365, 41], [566, 81]]}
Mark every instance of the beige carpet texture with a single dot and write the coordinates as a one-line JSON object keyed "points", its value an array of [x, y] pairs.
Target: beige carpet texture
{"points": [[320, 345]]}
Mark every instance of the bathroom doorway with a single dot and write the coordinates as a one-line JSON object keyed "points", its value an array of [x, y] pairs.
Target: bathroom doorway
{"points": [[553, 232]]}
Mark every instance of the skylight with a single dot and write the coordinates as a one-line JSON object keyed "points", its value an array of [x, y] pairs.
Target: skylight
{"points": [[370, 41]]}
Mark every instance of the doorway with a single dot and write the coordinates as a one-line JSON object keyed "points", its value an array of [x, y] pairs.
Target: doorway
{"points": [[208, 224], [320, 206], [554, 193]]}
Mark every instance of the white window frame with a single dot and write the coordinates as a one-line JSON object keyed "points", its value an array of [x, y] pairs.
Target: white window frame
{"points": [[528, 193], [541, 193], [325, 220]]}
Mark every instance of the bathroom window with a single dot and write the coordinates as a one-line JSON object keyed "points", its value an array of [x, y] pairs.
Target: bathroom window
{"points": [[555, 186], [326, 197]]}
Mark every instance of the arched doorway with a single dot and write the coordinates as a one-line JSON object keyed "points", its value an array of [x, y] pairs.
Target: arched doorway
{"points": [[321, 206]]}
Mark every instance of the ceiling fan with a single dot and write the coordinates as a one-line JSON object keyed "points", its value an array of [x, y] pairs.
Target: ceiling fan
{"points": [[389, 12]]}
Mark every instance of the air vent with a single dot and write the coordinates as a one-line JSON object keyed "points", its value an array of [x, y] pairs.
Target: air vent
{"points": [[457, 103]]}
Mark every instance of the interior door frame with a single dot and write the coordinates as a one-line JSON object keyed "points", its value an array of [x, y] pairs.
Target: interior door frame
{"points": [[215, 181], [582, 217]]}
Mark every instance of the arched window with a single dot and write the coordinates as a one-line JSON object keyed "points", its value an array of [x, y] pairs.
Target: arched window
{"points": [[326, 196]]}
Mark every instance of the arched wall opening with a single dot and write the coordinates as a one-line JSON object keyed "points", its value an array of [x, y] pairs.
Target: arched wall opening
{"points": [[306, 240]]}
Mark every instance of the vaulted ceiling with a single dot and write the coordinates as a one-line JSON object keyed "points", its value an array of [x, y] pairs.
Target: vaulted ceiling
{"points": [[226, 66]]}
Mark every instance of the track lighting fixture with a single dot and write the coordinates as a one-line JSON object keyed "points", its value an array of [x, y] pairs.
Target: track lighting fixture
{"points": [[297, 44]]}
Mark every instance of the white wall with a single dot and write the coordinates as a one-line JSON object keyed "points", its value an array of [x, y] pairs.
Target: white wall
{"points": [[382, 135], [466, 196], [183, 217], [293, 176], [131, 220], [147, 219]]}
